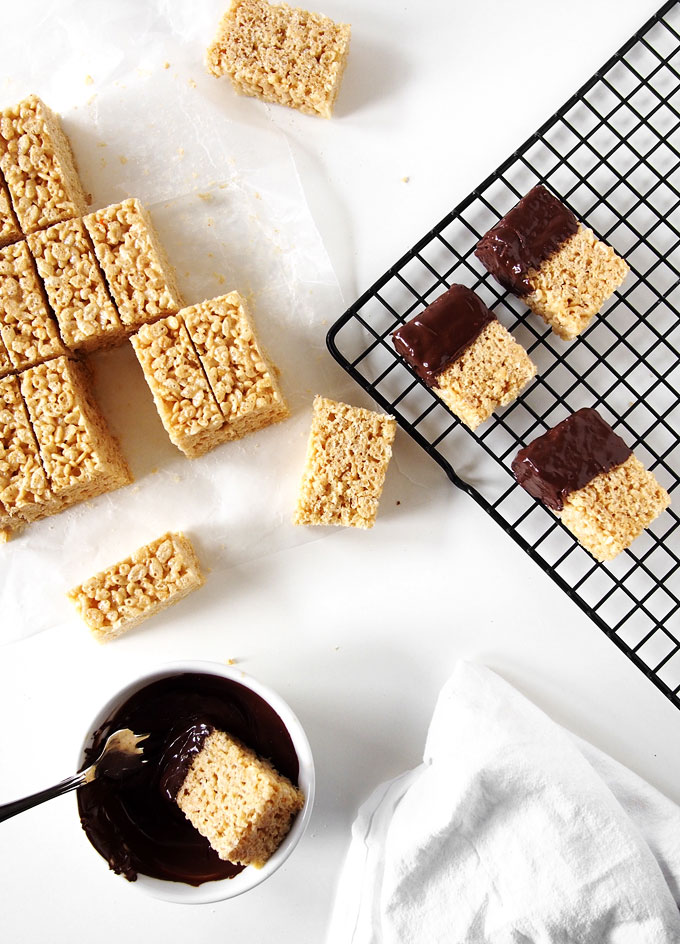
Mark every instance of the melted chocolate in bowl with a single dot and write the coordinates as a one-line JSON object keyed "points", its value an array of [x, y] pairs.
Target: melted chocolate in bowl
{"points": [[132, 822]]}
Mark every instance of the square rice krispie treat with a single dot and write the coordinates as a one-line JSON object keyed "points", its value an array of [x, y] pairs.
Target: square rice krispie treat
{"points": [[28, 329], [75, 287], [38, 166], [183, 398], [122, 596], [589, 477], [244, 382], [563, 272], [460, 350], [281, 54], [24, 492], [9, 228], [141, 280], [237, 800], [79, 454], [347, 457]]}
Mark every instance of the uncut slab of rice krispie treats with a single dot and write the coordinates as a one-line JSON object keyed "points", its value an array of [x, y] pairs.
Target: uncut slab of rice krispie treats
{"points": [[9, 228], [79, 454], [540, 252], [24, 491], [459, 349], [281, 54], [153, 577], [185, 403], [241, 804], [28, 330], [141, 280], [75, 287], [585, 473], [37, 164], [347, 457], [242, 379]]}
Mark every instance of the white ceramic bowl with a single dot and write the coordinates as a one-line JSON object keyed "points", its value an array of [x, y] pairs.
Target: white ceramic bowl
{"points": [[249, 877]]}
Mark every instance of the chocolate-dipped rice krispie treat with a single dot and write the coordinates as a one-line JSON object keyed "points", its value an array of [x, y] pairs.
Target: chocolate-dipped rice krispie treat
{"points": [[540, 252], [80, 456], [75, 287], [9, 228], [28, 330], [347, 457], [459, 349], [234, 798], [141, 280], [242, 379], [585, 473], [153, 577], [281, 54], [37, 164]]}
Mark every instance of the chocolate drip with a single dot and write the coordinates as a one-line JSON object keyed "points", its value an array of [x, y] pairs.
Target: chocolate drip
{"points": [[437, 336], [525, 237], [568, 456], [133, 823]]}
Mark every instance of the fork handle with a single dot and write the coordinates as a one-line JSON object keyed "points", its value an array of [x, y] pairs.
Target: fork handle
{"points": [[19, 806]]}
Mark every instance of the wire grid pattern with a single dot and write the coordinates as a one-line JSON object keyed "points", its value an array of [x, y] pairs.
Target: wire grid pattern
{"points": [[612, 154]]}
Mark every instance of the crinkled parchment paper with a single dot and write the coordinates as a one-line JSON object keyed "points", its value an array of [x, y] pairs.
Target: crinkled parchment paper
{"points": [[144, 120]]}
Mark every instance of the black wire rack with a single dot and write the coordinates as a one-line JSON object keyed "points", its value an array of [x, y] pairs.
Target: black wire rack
{"points": [[612, 154]]}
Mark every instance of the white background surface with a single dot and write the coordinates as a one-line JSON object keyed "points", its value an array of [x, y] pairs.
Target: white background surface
{"points": [[357, 631]]}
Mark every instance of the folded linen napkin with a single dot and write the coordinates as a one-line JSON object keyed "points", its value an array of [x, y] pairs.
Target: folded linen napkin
{"points": [[511, 831]]}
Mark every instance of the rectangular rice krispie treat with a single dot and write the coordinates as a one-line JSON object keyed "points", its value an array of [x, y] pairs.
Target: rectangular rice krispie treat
{"points": [[237, 800], [243, 381], [281, 54], [79, 454], [29, 332], [75, 287], [347, 457], [38, 166], [24, 492], [563, 272], [141, 280], [183, 398], [460, 350], [589, 477], [9, 228], [122, 596]]}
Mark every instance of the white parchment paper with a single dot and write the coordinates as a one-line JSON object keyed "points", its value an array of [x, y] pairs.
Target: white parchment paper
{"points": [[144, 120]]}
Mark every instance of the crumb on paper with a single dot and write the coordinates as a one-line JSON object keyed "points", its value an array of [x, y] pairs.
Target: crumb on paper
{"points": [[398, 503], [122, 158], [405, 180], [102, 144], [91, 99], [89, 199], [230, 662], [192, 84], [166, 65], [211, 221], [219, 278], [205, 196], [89, 80]]}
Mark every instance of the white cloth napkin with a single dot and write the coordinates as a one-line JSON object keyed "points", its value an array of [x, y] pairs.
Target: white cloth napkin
{"points": [[511, 831]]}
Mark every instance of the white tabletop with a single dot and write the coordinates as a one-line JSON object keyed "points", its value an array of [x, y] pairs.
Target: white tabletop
{"points": [[357, 631]]}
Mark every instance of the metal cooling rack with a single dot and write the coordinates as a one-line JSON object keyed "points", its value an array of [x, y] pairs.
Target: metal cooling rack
{"points": [[612, 154]]}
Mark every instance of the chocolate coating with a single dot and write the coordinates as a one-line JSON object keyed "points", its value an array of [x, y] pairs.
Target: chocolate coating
{"points": [[133, 823], [525, 237], [568, 456], [437, 336]]}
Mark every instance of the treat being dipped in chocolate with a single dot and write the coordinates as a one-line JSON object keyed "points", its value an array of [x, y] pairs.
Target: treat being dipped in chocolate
{"points": [[540, 252], [586, 473], [459, 348]]}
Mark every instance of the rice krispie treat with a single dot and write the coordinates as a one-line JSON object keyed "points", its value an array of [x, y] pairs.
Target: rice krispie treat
{"points": [[141, 280], [38, 166], [281, 54], [347, 457], [460, 350], [122, 596], [6, 366], [590, 478], [9, 228], [24, 492], [540, 252], [242, 379], [75, 287], [79, 454], [29, 332], [234, 798], [183, 398]]}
